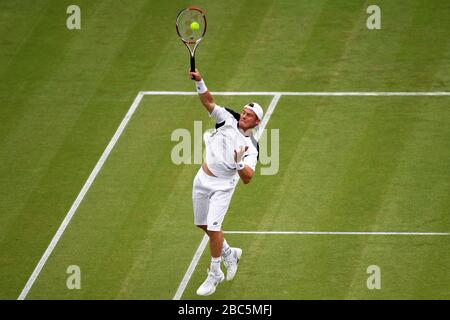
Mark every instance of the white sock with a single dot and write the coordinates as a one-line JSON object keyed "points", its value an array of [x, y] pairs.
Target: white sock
{"points": [[215, 265], [226, 249]]}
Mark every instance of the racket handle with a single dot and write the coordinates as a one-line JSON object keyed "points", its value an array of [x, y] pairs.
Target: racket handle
{"points": [[192, 65]]}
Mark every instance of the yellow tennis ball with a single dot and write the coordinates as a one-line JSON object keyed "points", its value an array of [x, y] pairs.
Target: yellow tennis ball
{"points": [[195, 25]]}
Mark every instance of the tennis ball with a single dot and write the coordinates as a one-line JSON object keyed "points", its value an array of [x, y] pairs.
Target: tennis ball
{"points": [[195, 25]]}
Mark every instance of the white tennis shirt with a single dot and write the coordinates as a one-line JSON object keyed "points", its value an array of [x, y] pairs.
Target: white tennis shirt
{"points": [[220, 145]]}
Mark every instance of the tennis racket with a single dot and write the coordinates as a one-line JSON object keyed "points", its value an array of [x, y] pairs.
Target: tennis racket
{"points": [[191, 28]]}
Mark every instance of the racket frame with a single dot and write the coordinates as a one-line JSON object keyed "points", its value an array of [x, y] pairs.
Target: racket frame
{"points": [[191, 45]]}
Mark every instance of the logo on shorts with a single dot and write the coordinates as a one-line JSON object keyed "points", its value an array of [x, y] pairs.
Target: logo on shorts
{"points": [[215, 223]]}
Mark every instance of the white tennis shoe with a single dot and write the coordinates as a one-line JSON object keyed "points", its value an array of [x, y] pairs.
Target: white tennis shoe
{"points": [[231, 263], [209, 286]]}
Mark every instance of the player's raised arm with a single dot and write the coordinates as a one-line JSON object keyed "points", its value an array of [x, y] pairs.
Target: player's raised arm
{"points": [[205, 96]]}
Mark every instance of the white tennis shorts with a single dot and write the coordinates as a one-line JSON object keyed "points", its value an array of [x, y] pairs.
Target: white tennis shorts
{"points": [[211, 197]]}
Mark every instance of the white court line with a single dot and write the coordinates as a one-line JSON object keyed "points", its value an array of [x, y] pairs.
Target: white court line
{"points": [[191, 268], [80, 197], [338, 94], [204, 242], [343, 233], [202, 246], [267, 116]]}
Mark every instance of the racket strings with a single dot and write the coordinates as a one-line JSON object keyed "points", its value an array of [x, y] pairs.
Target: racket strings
{"points": [[184, 22]]}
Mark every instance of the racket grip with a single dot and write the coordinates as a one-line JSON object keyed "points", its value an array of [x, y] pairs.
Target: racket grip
{"points": [[192, 65]]}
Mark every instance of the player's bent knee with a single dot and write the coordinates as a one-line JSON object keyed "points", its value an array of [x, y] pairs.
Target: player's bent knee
{"points": [[203, 227], [213, 231]]}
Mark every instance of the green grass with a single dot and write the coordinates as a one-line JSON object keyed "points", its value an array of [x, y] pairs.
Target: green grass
{"points": [[333, 267], [346, 163]]}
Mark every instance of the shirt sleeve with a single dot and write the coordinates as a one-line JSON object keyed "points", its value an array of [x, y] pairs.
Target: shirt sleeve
{"points": [[220, 114]]}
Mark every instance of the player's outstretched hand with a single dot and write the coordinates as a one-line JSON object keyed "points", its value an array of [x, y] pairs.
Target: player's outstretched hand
{"points": [[239, 154], [195, 75]]}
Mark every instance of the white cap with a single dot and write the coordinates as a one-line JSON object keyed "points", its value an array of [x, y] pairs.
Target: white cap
{"points": [[256, 108]]}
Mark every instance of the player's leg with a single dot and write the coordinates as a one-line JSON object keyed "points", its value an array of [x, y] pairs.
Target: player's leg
{"points": [[200, 202], [227, 251], [230, 258], [215, 274], [218, 208], [215, 244], [216, 241]]}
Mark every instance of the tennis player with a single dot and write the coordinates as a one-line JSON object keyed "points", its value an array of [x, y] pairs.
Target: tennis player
{"points": [[231, 153]]}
